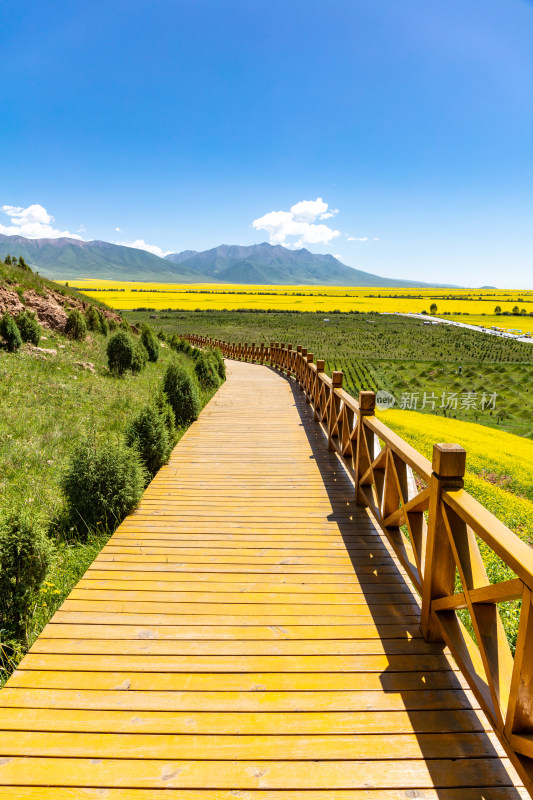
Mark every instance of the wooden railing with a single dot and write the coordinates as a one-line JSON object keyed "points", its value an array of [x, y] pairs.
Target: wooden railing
{"points": [[434, 527]]}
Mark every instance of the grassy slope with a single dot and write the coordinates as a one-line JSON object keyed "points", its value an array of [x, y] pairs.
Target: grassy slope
{"points": [[398, 354], [48, 402]]}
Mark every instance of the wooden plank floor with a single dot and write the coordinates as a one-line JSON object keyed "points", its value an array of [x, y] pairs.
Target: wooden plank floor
{"points": [[245, 634]]}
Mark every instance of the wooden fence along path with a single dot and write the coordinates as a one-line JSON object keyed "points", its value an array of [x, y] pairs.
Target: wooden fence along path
{"points": [[250, 632]]}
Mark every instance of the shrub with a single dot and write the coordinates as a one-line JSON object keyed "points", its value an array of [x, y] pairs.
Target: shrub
{"points": [[91, 318], [10, 332], [182, 393], [167, 415], [76, 327], [206, 371], [112, 324], [102, 323], [218, 358], [161, 335], [148, 433], [140, 358], [102, 484], [125, 326], [29, 328], [120, 353], [149, 340], [25, 555]]}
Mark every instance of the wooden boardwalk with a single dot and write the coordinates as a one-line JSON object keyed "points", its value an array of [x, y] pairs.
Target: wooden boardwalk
{"points": [[246, 634]]}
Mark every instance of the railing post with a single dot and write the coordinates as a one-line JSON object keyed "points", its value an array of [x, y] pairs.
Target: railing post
{"points": [[320, 364], [287, 359], [307, 379], [301, 373], [336, 383], [438, 579], [364, 452], [252, 353]]}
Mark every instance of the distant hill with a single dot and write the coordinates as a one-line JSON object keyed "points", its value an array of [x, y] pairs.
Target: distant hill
{"points": [[275, 264], [73, 259], [264, 264]]}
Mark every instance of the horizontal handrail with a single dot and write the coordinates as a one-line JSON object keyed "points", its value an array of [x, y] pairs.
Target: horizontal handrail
{"points": [[434, 531]]}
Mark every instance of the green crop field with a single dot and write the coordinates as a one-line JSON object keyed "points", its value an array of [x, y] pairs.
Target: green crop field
{"points": [[438, 369]]}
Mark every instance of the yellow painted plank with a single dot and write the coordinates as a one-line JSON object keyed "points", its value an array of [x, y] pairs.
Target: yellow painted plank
{"points": [[265, 722], [423, 773]]}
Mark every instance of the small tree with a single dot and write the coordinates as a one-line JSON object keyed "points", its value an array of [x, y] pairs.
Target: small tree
{"points": [[206, 371], [149, 340], [112, 324], [148, 433], [76, 327], [22, 264], [120, 353], [102, 323], [29, 328], [140, 358], [125, 326], [182, 393], [516, 310], [167, 415], [91, 318], [102, 484], [10, 332], [25, 555], [216, 355], [433, 308], [498, 310]]}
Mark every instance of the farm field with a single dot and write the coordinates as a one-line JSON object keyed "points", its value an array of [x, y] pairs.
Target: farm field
{"points": [[442, 370], [465, 305], [499, 474]]}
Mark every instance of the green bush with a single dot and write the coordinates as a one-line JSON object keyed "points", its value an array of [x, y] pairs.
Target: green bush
{"points": [[125, 326], [149, 340], [140, 358], [91, 319], [25, 555], [206, 370], [167, 415], [102, 323], [76, 327], [29, 328], [161, 335], [102, 484], [182, 393], [120, 353], [216, 355], [10, 332], [112, 324], [148, 433]]}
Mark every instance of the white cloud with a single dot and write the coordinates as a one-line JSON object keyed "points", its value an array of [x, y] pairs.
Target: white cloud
{"points": [[32, 222], [299, 223], [357, 238], [140, 244], [119, 230]]}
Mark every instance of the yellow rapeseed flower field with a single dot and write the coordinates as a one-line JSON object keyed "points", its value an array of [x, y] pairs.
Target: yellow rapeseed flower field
{"points": [[499, 464], [465, 305]]}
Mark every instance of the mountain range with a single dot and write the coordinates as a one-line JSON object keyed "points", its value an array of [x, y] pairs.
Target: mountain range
{"points": [[264, 264]]}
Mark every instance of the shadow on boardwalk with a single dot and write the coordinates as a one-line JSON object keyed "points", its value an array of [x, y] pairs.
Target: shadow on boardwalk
{"points": [[428, 696]]}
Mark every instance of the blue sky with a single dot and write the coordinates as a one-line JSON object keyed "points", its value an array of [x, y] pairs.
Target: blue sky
{"points": [[182, 123]]}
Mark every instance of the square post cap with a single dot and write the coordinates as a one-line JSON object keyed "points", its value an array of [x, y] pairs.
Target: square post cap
{"points": [[449, 460]]}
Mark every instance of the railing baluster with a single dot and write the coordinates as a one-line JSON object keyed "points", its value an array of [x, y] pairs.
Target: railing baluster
{"points": [[438, 579]]}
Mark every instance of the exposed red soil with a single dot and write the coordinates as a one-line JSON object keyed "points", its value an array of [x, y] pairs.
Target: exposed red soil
{"points": [[51, 311]]}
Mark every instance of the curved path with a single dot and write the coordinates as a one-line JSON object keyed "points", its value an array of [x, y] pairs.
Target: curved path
{"points": [[245, 634]]}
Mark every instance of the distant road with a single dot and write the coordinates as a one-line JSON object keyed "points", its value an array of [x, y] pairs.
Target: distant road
{"points": [[478, 328]]}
